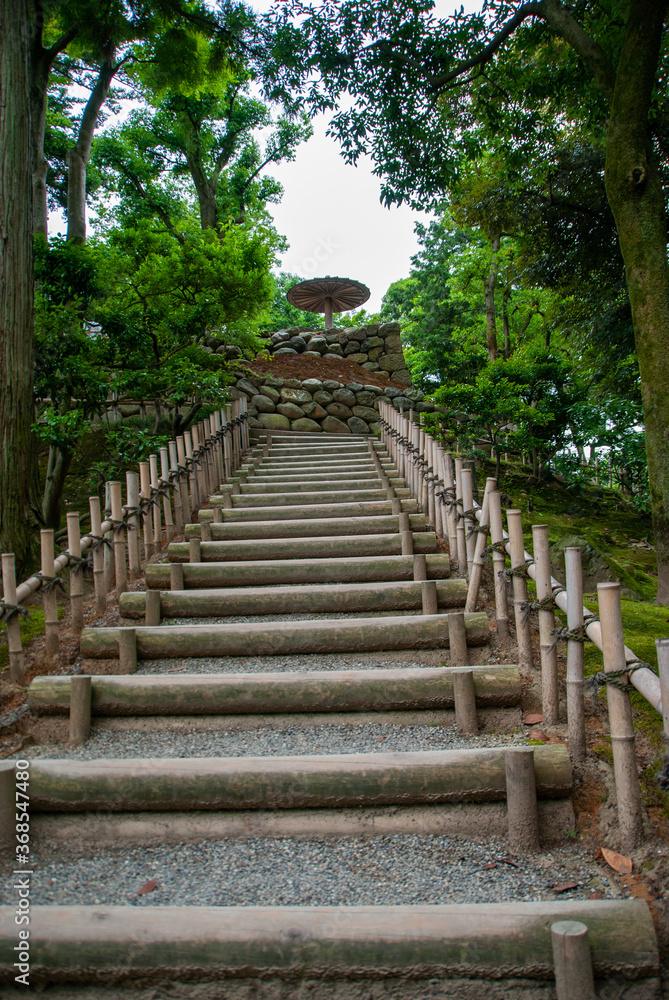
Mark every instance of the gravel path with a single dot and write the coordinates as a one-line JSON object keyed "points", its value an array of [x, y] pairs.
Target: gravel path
{"points": [[297, 662], [270, 742], [351, 871]]}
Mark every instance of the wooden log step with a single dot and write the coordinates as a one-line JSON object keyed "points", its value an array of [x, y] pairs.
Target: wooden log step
{"points": [[322, 496], [254, 486], [472, 946], [265, 572], [291, 512], [390, 689], [320, 547], [310, 782], [332, 598], [339, 635], [285, 476], [295, 465], [384, 524]]}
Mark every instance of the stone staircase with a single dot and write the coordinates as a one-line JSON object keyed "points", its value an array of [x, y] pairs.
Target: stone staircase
{"points": [[320, 535]]}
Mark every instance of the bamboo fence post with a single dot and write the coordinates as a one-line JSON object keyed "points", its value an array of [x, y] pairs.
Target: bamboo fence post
{"points": [[192, 473], [460, 519], [620, 718], [175, 479], [14, 644], [80, 709], [575, 681], [430, 486], [448, 477], [468, 516], [422, 469], [227, 445], [49, 595], [186, 504], [662, 647], [218, 465], [518, 570], [166, 485], [76, 572], [198, 456], [498, 563], [120, 572], [549, 666], [99, 582], [145, 495], [481, 537], [155, 506], [110, 580], [133, 519]]}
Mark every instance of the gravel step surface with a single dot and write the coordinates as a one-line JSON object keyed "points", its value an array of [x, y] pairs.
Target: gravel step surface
{"points": [[294, 872], [270, 742], [297, 663]]}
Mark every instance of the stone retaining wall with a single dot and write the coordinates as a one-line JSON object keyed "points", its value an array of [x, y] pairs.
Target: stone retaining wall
{"points": [[314, 405], [377, 347]]}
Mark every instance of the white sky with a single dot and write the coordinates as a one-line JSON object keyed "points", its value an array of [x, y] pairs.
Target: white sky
{"points": [[331, 214]]}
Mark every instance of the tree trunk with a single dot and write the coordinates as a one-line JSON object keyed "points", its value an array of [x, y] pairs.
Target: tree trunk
{"points": [[16, 283], [634, 192], [38, 99], [79, 155], [489, 286], [58, 467]]}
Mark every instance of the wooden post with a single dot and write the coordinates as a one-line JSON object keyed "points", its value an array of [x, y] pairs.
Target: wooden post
{"points": [[197, 433], [620, 719], [464, 695], [419, 567], [575, 682], [498, 563], [205, 531], [127, 650], [572, 961], [49, 596], [448, 478], [517, 551], [480, 540], [457, 640], [8, 807], [186, 505], [429, 597], [460, 525], [14, 645], [155, 509], [133, 519], [80, 709], [76, 572], [99, 582], [176, 576], [152, 611], [407, 543], [549, 667], [118, 537], [147, 520], [194, 550], [662, 647], [521, 801], [166, 484]]}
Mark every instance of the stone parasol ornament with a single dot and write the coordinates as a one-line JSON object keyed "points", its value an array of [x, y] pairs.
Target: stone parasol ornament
{"points": [[328, 295]]}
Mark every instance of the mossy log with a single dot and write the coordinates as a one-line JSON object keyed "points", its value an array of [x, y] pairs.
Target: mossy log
{"points": [[471, 775], [341, 635], [292, 512], [263, 572], [322, 547], [322, 496], [307, 528], [391, 689], [334, 598]]}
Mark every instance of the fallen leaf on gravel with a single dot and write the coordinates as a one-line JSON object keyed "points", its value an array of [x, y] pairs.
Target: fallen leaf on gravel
{"points": [[147, 887], [493, 864], [597, 894], [565, 887], [531, 720], [618, 862], [507, 861]]}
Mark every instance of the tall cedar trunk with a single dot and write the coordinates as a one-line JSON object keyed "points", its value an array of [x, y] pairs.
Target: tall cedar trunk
{"points": [[489, 286], [59, 465], [40, 67], [635, 195], [79, 155], [16, 281]]}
